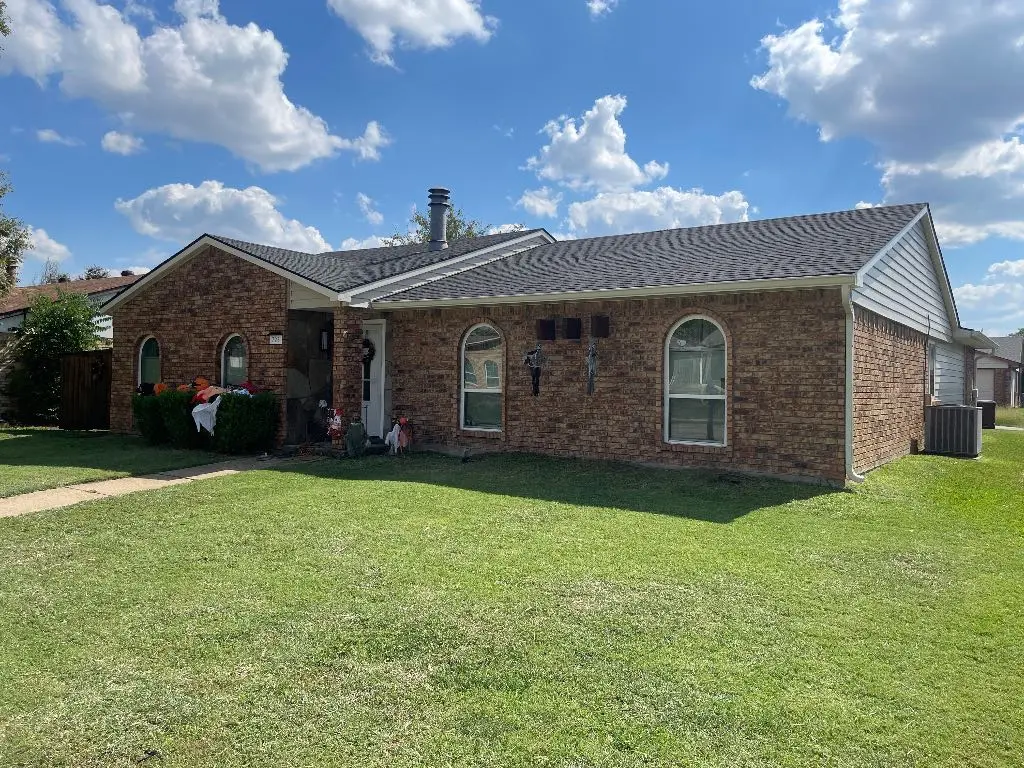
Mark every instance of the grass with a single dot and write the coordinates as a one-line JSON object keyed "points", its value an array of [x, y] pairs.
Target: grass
{"points": [[517, 611], [35, 459], [1010, 417]]}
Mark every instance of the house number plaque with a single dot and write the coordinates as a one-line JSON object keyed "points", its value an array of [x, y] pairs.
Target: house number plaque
{"points": [[276, 339]]}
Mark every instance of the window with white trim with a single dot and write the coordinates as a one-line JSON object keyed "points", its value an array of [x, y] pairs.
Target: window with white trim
{"points": [[233, 362], [149, 361], [695, 374], [482, 351]]}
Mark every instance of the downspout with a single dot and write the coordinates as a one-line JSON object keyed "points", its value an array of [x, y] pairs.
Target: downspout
{"points": [[851, 474]]}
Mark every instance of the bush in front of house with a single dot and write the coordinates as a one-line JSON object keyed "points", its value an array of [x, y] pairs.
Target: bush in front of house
{"points": [[246, 424], [176, 410], [52, 328], [149, 419]]}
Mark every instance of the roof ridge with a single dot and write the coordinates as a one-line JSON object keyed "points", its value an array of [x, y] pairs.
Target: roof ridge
{"points": [[770, 219]]}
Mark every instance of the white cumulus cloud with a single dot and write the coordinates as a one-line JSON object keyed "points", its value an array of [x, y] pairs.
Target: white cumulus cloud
{"points": [[367, 207], [201, 79], [934, 86], [540, 202], [600, 7], [45, 248], [590, 153], [424, 24], [121, 143], [181, 212], [354, 244], [661, 208], [50, 136]]}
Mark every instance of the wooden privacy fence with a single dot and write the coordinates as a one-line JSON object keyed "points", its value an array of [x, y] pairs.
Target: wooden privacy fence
{"points": [[85, 389]]}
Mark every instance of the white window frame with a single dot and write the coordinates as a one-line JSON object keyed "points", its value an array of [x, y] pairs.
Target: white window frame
{"points": [[160, 357], [224, 357], [667, 389], [485, 389]]}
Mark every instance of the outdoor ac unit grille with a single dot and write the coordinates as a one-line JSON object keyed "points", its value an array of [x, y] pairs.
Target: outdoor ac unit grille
{"points": [[953, 430]]}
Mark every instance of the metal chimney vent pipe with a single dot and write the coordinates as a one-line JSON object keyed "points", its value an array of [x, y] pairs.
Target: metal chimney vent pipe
{"points": [[439, 205]]}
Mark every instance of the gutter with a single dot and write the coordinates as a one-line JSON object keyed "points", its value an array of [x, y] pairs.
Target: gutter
{"points": [[851, 473]]}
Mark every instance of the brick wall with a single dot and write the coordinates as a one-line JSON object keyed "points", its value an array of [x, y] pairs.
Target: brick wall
{"points": [[191, 312], [890, 361], [970, 374], [785, 379], [1001, 386]]}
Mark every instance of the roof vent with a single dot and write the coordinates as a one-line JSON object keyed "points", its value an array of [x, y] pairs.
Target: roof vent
{"points": [[439, 205]]}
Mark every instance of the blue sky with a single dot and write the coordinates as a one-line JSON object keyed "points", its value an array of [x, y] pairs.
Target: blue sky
{"points": [[135, 126]]}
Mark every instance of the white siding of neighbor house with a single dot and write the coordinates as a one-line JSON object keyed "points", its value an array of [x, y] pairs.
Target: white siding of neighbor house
{"points": [[904, 286], [949, 373]]}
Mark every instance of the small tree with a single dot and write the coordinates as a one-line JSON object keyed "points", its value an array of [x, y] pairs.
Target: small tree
{"points": [[95, 272], [14, 238], [52, 273], [52, 328], [1018, 332], [458, 228]]}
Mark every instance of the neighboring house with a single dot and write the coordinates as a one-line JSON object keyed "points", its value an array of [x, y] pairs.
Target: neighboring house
{"points": [[1000, 374], [14, 309], [802, 347]]}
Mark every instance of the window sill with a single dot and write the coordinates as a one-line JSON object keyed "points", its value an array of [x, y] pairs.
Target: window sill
{"points": [[486, 434], [695, 446]]}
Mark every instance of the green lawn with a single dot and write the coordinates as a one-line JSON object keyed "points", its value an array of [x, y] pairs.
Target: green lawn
{"points": [[34, 459], [516, 611], [1010, 417]]}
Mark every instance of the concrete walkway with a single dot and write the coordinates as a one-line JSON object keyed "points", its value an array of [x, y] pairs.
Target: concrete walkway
{"points": [[55, 498], [1010, 429]]}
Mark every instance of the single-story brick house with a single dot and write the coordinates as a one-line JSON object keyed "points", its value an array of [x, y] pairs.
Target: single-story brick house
{"points": [[802, 347], [1000, 374]]}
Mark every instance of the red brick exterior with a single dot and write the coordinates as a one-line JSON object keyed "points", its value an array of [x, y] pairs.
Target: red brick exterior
{"points": [[1001, 386], [890, 361], [785, 381], [785, 377], [191, 312]]}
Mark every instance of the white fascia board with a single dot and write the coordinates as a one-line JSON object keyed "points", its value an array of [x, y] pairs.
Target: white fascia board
{"points": [[974, 339], [193, 249], [357, 293], [732, 286]]}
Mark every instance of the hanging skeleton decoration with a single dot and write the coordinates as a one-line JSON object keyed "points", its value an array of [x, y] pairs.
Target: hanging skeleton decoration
{"points": [[591, 363], [535, 360]]}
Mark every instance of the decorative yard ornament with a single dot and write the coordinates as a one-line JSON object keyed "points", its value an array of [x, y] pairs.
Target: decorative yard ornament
{"points": [[591, 363], [535, 360]]}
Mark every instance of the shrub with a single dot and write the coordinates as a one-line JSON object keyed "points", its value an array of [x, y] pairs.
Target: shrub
{"points": [[149, 419], [176, 409], [246, 424], [53, 327]]}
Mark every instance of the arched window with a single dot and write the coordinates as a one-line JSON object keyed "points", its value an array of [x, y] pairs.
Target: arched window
{"points": [[695, 371], [233, 362], [481, 400], [149, 362]]}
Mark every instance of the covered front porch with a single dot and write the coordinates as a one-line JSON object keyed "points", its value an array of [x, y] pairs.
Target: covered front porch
{"points": [[337, 357]]}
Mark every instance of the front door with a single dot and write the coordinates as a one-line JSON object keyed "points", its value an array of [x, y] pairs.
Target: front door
{"points": [[986, 384], [373, 377]]}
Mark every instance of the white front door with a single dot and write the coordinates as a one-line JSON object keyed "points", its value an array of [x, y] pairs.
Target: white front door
{"points": [[373, 377], [986, 384]]}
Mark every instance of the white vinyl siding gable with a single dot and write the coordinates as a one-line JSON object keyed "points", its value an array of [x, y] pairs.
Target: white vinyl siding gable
{"points": [[903, 285], [949, 373]]}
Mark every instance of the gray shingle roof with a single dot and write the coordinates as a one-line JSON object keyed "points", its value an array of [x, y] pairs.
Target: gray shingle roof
{"points": [[799, 246], [1009, 348], [343, 270]]}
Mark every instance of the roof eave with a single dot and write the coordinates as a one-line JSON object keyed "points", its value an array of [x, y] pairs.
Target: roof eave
{"points": [[730, 286]]}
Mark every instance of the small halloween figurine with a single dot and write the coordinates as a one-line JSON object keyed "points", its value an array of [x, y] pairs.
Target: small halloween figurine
{"points": [[535, 361], [334, 426], [591, 365], [404, 435], [391, 440]]}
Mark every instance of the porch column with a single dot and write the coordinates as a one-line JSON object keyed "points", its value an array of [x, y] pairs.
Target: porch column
{"points": [[347, 365]]}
